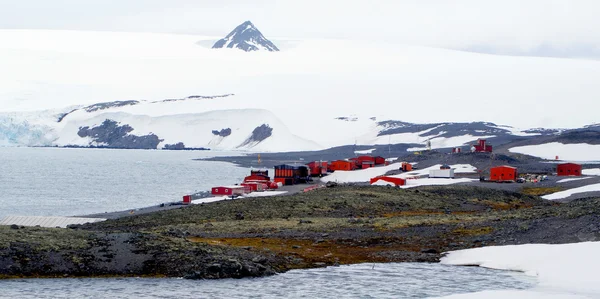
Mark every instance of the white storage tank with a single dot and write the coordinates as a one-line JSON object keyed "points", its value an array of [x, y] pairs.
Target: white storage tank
{"points": [[441, 173]]}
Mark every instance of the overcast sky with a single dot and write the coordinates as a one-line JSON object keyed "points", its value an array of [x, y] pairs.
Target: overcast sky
{"points": [[563, 28]]}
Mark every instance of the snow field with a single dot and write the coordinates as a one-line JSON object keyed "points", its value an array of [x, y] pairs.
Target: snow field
{"points": [[591, 171], [569, 192], [563, 271], [108, 66], [434, 182], [566, 152], [365, 175], [582, 189], [359, 175]]}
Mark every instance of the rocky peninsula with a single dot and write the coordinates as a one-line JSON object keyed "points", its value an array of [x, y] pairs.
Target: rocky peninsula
{"points": [[255, 237]]}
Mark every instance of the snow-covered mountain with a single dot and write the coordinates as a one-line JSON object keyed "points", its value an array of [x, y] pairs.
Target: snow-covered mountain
{"points": [[246, 37], [314, 94], [182, 123]]}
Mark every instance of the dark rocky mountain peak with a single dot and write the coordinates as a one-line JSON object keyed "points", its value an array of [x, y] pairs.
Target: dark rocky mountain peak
{"points": [[246, 37]]}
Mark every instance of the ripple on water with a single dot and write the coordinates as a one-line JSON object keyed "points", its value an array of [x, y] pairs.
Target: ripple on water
{"points": [[394, 280]]}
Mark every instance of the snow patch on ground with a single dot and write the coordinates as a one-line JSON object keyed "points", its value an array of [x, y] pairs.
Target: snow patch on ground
{"points": [[360, 175], [446, 142], [591, 171], [365, 175], [434, 182], [569, 192], [464, 168], [563, 271], [458, 168], [253, 194], [265, 194], [365, 152], [567, 152], [573, 179]]}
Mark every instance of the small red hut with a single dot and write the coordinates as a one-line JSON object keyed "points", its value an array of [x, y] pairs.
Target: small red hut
{"points": [[566, 169], [230, 190]]}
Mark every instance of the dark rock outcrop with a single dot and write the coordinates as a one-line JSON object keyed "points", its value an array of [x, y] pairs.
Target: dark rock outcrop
{"points": [[112, 135], [259, 134], [176, 146], [195, 97], [223, 132], [107, 105], [246, 37]]}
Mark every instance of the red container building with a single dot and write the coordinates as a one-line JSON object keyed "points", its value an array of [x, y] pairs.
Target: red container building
{"points": [[363, 162], [566, 169], [503, 174], [481, 147], [342, 165], [289, 174], [379, 160], [256, 186], [317, 168], [230, 190]]}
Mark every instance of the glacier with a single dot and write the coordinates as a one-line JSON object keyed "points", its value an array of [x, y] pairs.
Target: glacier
{"points": [[314, 93]]}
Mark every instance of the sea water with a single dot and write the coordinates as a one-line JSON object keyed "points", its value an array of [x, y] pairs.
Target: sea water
{"points": [[392, 280], [67, 182]]}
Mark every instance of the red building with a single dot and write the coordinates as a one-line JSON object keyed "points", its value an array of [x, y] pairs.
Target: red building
{"points": [[481, 147], [566, 169], [503, 173], [363, 162], [379, 160], [256, 186], [230, 190], [390, 180], [317, 168], [291, 174], [342, 165]]}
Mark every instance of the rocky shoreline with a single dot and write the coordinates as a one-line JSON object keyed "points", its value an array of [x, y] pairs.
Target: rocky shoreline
{"points": [[256, 237]]}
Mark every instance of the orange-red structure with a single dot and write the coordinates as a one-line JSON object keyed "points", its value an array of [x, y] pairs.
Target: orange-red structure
{"points": [[342, 165], [317, 168], [379, 160], [482, 146], [503, 173], [568, 169], [395, 181]]}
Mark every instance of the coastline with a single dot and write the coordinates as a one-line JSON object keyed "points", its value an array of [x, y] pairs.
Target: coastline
{"points": [[254, 237]]}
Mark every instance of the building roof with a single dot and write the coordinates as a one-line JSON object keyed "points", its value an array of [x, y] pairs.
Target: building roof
{"points": [[47, 221], [504, 166], [230, 187]]}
